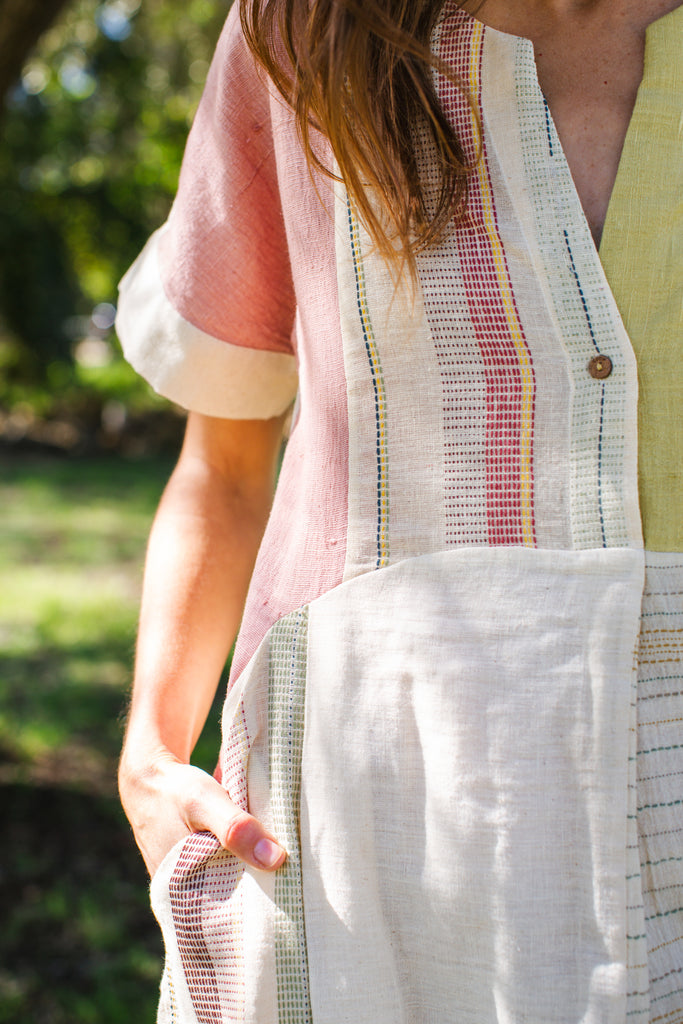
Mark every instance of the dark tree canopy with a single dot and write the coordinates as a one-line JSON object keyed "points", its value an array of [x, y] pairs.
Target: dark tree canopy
{"points": [[92, 136], [22, 23]]}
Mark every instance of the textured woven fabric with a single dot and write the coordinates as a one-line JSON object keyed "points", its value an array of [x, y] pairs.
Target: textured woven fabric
{"points": [[455, 695], [642, 252]]}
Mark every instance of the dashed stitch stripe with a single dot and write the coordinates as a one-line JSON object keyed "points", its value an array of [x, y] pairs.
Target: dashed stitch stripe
{"points": [[190, 893], [205, 897], [508, 371], [379, 393], [286, 703], [661, 787], [546, 109], [601, 425]]}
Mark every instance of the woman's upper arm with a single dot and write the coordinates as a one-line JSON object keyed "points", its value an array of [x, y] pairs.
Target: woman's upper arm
{"points": [[236, 457]]}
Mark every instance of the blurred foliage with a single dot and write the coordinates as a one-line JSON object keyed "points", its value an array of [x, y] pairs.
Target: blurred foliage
{"points": [[71, 552], [92, 140]]}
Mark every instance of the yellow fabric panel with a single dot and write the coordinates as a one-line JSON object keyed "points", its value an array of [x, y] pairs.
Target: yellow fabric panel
{"points": [[642, 253]]}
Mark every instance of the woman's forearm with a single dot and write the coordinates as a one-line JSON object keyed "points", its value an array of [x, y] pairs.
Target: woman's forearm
{"points": [[200, 555], [200, 558]]}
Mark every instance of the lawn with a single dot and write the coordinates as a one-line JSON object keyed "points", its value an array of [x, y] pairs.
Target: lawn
{"points": [[78, 943]]}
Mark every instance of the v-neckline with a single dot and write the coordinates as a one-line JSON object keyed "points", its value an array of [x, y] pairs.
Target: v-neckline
{"points": [[622, 170], [525, 39]]}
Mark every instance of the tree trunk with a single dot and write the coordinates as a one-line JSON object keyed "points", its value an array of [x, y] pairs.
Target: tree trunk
{"points": [[22, 22]]}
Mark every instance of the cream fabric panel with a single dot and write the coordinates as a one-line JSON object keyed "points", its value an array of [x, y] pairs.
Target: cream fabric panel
{"points": [[465, 789]]}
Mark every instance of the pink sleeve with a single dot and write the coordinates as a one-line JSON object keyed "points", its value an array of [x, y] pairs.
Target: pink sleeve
{"points": [[206, 313]]}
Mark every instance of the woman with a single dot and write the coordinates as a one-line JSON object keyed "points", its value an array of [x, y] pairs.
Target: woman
{"points": [[433, 707]]}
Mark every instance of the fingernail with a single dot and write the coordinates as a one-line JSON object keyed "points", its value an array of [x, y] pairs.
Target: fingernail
{"points": [[268, 853]]}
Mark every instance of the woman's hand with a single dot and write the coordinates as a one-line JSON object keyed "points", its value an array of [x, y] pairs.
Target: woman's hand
{"points": [[167, 800], [199, 560]]}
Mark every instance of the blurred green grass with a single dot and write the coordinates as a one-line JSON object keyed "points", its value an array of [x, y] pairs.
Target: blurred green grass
{"points": [[78, 942]]}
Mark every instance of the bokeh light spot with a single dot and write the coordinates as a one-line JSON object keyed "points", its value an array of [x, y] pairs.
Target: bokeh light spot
{"points": [[114, 21], [103, 316], [78, 81], [35, 77]]}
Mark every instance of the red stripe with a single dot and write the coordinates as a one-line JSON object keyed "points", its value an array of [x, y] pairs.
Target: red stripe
{"points": [[489, 316], [207, 903]]}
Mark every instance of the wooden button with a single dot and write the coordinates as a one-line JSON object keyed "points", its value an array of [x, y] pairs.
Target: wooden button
{"points": [[600, 367]]}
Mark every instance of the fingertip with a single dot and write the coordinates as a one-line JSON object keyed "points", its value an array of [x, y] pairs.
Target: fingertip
{"points": [[268, 854]]}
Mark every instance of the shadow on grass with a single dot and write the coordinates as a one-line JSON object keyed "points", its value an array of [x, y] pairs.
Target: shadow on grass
{"points": [[78, 942], [66, 727], [62, 729]]}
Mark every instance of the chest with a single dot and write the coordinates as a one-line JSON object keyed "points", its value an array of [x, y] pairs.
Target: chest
{"points": [[590, 65]]}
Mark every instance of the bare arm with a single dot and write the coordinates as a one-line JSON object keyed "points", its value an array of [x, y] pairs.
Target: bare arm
{"points": [[200, 558]]}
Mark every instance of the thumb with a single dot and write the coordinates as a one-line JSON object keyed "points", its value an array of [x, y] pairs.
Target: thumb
{"points": [[239, 832]]}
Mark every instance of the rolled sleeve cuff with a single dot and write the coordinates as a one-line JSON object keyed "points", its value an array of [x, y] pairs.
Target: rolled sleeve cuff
{"points": [[188, 366]]}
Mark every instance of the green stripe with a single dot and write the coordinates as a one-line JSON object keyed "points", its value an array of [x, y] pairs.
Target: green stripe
{"points": [[286, 703]]}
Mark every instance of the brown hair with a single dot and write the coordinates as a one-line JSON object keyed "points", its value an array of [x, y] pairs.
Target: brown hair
{"points": [[360, 72]]}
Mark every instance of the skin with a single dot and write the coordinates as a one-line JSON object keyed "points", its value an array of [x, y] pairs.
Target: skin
{"points": [[589, 57], [210, 521], [200, 557]]}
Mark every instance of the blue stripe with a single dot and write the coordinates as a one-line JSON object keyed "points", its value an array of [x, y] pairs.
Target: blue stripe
{"points": [[602, 394]]}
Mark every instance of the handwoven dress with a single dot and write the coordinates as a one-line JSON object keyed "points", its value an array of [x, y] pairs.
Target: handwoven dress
{"points": [[456, 696]]}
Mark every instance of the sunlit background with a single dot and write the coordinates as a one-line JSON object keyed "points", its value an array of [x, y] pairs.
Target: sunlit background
{"points": [[91, 138]]}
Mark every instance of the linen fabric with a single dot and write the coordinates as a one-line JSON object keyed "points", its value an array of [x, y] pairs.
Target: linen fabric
{"points": [[642, 252], [456, 691]]}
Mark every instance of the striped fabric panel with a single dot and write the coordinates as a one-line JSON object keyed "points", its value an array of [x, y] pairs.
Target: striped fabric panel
{"points": [[233, 757], [207, 902], [286, 705], [505, 426], [379, 392], [201, 889], [463, 394], [637, 983], [394, 395], [660, 783], [552, 396], [603, 443], [167, 1012]]}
